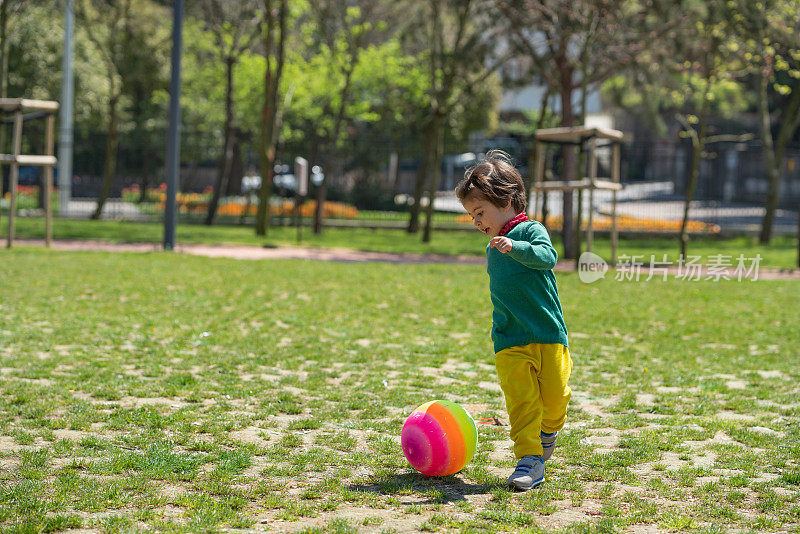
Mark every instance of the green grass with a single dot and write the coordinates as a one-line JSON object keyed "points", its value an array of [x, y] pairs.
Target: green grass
{"points": [[781, 253], [176, 393]]}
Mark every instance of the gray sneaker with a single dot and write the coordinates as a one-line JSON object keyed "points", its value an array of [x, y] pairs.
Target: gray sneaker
{"points": [[528, 474], [548, 444]]}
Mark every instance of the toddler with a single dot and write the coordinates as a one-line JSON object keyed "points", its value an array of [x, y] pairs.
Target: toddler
{"points": [[530, 337]]}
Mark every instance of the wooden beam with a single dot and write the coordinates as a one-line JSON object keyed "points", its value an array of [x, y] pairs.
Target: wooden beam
{"points": [[33, 161], [577, 134], [607, 185], [573, 185], [26, 104]]}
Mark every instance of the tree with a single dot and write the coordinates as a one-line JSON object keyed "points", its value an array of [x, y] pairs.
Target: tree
{"points": [[234, 25], [766, 35], [275, 16], [35, 43], [343, 29], [573, 44], [7, 7], [204, 87], [14, 50], [386, 95], [119, 31], [707, 35], [688, 81], [145, 76], [460, 54]]}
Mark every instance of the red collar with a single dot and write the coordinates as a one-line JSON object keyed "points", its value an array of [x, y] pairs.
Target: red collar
{"points": [[521, 217]]}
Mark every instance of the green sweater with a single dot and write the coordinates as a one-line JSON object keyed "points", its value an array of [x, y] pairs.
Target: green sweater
{"points": [[523, 290]]}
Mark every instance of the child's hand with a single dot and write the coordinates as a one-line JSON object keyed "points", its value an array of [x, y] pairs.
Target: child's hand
{"points": [[503, 244]]}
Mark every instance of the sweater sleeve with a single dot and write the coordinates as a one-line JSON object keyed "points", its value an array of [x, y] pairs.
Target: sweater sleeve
{"points": [[535, 251]]}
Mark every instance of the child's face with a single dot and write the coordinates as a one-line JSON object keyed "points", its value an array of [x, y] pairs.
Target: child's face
{"points": [[487, 217]]}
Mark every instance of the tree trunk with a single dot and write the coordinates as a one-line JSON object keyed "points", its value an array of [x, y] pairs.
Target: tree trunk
{"points": [[3, 77], [570, 163], [790, 113], [270, 117], [434, 147], [236, 174], [690, 187], [267, 161], [147, 170], [420, 180], [138, 138], [226, 159], [144, 180], [322, 190], [266, 153], [771, 168], [110, 164], [698, 143]]}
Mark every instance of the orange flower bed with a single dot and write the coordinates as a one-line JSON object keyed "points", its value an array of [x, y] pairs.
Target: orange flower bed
{"points": [[330, 210], [234, 209], [630, 224]]}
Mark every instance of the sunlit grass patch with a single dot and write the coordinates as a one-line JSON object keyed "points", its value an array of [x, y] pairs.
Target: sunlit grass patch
{"points": [[186, 394]]}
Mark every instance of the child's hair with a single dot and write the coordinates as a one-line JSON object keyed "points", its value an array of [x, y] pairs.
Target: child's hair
{"points": [[495, 179]]}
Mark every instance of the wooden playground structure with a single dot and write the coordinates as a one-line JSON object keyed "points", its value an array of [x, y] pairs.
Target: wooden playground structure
{"points": [[587, 139], [19, 108]]}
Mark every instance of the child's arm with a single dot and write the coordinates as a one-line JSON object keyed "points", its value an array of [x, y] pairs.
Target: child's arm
{"points": [[535, 252]]}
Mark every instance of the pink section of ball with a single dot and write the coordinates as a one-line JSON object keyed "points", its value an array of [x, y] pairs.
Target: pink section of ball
{"points": [[424, 444]]}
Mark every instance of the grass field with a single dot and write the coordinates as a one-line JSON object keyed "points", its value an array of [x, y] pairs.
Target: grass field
{"points": [[781, 253], [173, 393]]}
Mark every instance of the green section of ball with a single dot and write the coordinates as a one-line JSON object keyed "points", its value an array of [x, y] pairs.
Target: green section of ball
{"points": [[468, 428]]}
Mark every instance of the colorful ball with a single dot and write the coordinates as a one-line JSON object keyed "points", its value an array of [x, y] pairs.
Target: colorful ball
{"points": [[439, 438]]}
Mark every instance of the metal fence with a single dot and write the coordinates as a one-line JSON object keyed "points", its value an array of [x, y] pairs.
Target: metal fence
{"points": [[373, 185]]}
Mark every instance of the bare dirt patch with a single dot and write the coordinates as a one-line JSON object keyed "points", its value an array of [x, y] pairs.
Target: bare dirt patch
{"points": [[251, 252]]}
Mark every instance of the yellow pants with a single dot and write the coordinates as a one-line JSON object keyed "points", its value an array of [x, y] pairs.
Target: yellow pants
{"points": [[534, 381]]}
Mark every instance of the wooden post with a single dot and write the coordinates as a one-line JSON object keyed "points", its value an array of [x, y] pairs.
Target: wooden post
{"points": [[592, 179], [14, 176], [548, 159], [48, 181], [539, 147], [615, 172], [578, 222]]}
